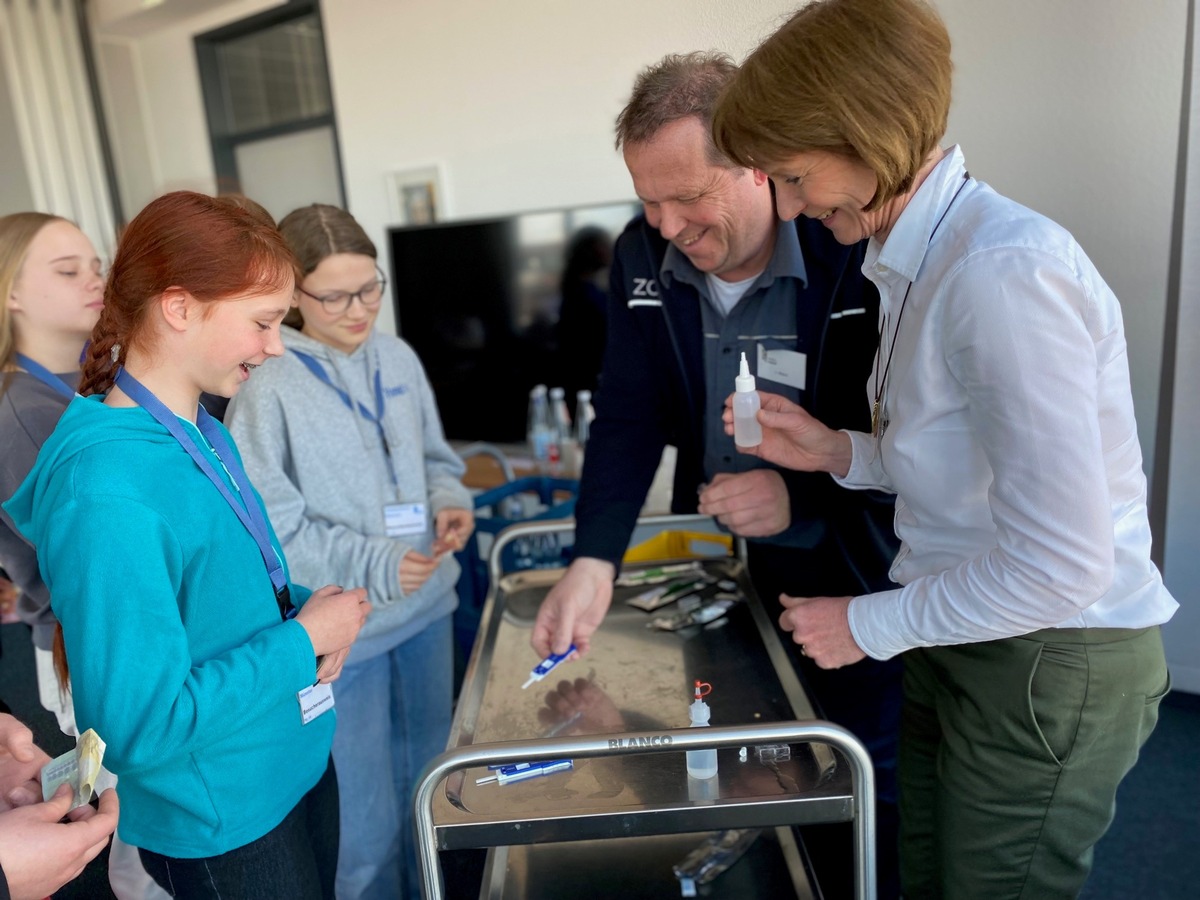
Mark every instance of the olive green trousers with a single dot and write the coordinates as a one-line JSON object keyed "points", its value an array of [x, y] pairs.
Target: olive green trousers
{"points": [[1011, 752]]}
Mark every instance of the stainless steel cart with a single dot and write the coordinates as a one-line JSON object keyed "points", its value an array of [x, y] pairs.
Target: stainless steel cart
{"points": [[618, 713]]}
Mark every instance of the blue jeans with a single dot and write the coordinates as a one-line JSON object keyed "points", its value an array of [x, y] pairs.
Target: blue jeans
{"points": [[296, 860], [393, 717]]}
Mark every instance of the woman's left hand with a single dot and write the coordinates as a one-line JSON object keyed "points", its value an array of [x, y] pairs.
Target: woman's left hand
{"points": [[821, 626], [452, 529]]}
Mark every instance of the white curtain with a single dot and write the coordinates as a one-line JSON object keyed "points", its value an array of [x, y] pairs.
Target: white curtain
{"points": [[55, 117]]}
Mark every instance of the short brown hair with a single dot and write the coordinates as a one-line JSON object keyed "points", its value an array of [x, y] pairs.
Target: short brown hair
{"points": [[676, 87], [868, 80]]}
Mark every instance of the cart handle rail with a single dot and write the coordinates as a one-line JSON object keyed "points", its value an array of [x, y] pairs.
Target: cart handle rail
{"points": [[681, 739]]}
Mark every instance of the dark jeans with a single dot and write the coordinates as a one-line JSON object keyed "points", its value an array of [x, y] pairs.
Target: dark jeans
{"points": [[865, 698], [297, 860]]}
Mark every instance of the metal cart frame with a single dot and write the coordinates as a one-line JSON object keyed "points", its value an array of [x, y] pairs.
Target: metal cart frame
{"points": [[761, 813]]}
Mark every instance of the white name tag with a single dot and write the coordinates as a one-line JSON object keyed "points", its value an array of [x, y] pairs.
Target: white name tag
{"points": [[315, 701], [788, 367], [400, 519]]}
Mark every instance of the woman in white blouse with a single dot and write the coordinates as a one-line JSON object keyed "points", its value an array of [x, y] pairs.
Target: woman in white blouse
{"points": [[1003, 421]]}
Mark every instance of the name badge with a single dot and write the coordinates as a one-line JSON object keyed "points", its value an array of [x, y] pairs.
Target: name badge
{"points": [[315, 701], [400, 519], [788, 367]]}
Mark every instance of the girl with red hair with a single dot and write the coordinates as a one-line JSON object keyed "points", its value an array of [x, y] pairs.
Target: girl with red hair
{"points": [[192, 654]]}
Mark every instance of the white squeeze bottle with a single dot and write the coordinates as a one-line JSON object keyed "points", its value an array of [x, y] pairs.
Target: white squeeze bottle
{"points": [[701, 763], [746, 430]]}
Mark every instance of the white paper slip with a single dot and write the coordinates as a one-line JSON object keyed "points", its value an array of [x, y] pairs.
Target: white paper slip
{"points": [[79, 768]]}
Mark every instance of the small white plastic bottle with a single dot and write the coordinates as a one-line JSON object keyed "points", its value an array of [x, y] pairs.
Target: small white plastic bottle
{"points": [[747, 432], [701, 763]]}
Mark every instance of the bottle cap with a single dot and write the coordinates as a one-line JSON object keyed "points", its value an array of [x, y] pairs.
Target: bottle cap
{"points": [[585, 395], [699, 712], [744, 381], [557, 393]]}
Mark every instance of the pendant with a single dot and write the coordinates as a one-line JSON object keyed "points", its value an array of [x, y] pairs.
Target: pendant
{"points": [[875, 420]]}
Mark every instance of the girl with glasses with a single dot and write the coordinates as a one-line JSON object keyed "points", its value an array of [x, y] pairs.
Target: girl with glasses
{"points": [[343, 438], [192, 655]]}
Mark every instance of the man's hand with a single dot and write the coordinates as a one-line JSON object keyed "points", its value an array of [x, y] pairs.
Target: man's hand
{"points": [[20, 765], [39, 853], [574, 608], [794, 439], [752, 504], [821, 626]]}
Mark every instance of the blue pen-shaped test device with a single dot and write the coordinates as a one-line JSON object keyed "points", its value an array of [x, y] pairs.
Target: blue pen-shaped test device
{"points": [[547, 665], [525, 771]]}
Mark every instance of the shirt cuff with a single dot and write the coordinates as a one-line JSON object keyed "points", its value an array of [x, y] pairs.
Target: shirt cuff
{"points": [[877, 624], [865, 472]]}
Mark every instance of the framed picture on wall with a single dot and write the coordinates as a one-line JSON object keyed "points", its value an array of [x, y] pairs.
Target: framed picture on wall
{"points": [[417, 196]]}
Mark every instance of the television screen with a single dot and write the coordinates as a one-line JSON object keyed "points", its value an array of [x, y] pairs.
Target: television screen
{"points": [[494, 306]]}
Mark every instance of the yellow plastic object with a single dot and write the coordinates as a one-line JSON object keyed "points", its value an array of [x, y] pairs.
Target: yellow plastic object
{"points": [[680, 545]]}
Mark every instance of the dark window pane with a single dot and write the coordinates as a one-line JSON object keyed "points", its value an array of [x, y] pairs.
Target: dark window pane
{"points": [[273, 77]]}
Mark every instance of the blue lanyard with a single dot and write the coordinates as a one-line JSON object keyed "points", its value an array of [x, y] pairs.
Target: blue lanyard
{"points": [[375, 418], [44, 375], [250, 514]]}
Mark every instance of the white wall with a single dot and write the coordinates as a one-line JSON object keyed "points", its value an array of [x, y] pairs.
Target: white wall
{"points": [[1181, 559], [1073, 108], [517, 100]]}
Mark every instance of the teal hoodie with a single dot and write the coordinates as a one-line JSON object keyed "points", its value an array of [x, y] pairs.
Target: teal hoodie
{"points": [[179, 659]]}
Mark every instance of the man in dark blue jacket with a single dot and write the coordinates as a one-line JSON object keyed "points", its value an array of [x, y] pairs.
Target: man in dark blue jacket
{"points": [[707, 273]]}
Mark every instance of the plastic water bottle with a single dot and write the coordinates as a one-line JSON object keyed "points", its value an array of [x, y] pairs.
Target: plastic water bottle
{"points": [[584, 413], [701, 763], [539, 431], [564, 439], [747, 432]]}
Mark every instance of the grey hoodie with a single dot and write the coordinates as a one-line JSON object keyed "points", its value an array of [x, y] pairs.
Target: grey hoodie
{"points": [[325, 475], [29, 410]]}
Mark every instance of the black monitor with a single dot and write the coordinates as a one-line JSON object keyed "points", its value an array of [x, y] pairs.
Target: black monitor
{"points": [[494, 306]]}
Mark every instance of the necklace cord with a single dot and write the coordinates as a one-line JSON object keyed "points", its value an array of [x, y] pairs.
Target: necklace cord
{"points": [[878, 425]]}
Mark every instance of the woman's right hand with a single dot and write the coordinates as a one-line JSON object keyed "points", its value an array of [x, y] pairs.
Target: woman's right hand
{"points": [[332, 617], [792, 438]]}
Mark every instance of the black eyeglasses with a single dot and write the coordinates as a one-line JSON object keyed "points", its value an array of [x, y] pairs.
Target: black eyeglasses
{"points": [[337, 302]]}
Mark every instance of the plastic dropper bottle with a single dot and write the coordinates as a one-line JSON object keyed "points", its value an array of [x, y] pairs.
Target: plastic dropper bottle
{"points": [[701, 763], [747, 432]]}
